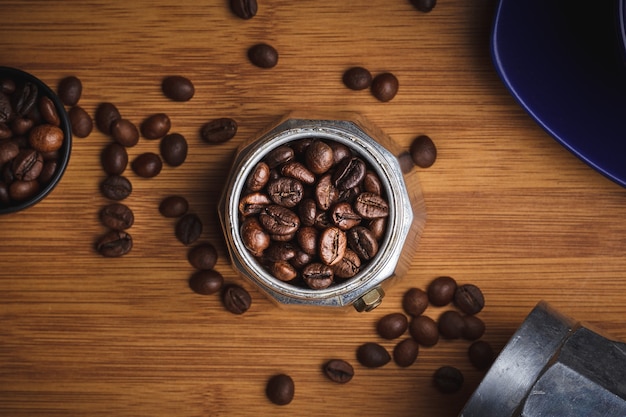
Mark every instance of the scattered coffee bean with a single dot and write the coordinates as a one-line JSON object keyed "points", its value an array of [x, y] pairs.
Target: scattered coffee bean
{"points": [[280, 389], [469, 299], [338, 370], [423, 151], [188, 228], [114, 158], [173, 148], [451, 324], [202, 256], [70, 90], [125, 132], [81, 121], [357, 78], [405, 352], [406, 162], [117, 216], [392, 325], [106, 114], [236, 299], [448, 379], [173, 206], [372, 355], [414, 302], [263, 55], [474, 328], [206, 282], [441, 291], [155, 126], [147, 165], [481, 354], [116, 187], [424, 331], [219, 130], [178, 88], [384, 86], [245, 9], [424, 5], [114, 243]]}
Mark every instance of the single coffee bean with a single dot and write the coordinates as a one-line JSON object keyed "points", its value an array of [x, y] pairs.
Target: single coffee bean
{"points": [[156, 126], [340, 151], [8, 150], [469, 299], [332, 245], [47, 172], [307, 237], [106, 114], [348, 173], [7, 85], [357, 78], [116, 187], [81, 122], [114, 243], [259, 177], [344, 217], [283, 270], [448, 379], [474, 328], [384, 86], [245, 9], [280, 389], [451, 324], [253, 203], [27, 165], [372, 355], [6, 108], [279, 220], [236, 299], [326, 194], [424, 5], [114, 158], [297, 171], [319, 157], [301, 259], [173, 206], [405, 352], [202, 256], [117, 216], [280, 251], [392, 325], [21, 125], [371, 206], [254, 237], [307, 211], [317, 275], [25, 98], [481, 354], [188, 228], [219, 130], [69, 90], [423, 151], [46, 138], [414, 302], [441, 291], [178, 88], [125, 132], [173, 148], [285, 191], [20, 190], [48, 111], [362, 242], [338, 370], [206, 282], [406, 162], [349, 265], [5, 131], [424, 331], [147, 165], [263, 55]]}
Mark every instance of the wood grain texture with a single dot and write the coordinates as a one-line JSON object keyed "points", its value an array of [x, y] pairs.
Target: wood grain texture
{"points": [[508, 209]]}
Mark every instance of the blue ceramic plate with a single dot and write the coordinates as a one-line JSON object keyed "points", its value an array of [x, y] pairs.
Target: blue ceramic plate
{"points": [[564, 62]]}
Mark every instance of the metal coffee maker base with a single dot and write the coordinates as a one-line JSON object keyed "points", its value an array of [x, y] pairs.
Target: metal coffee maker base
{"points": [[553, 366]]}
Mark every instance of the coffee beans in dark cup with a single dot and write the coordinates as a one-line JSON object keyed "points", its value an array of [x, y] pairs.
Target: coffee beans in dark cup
{"points": [[357, 78], [441, 291], [236, 299], [206, 282], [173, 148], [392, 325], [178, 88], [372, 355], [423, 151], [469, 299], [263, 55], [338, 370], [448, 379], [405, 352], [280, 389], [384, 86]]}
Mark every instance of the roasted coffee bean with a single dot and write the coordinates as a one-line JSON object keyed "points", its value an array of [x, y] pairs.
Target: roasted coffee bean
{"points": [[298, 171], [362, 242], [451, 324], [156, 126], [173, 206], [349, 265], [236, 299], [125, 132], [319, 157], [406, 162], [253, 203], [254, 237], [245, 9], [280, 251], [173, 148], [392, 325], [8, 150], [48, 111], [219, 130], [263, 55], [474, 328], [371, 206], [259, 177], [349, 173], [307, 211], [283, 270], [385, 86], [147, 165], [357, 78], [81, 122], [178, 88], [46, 138], [322, 220], [371, 183], [338, 370], [307, 237], [114, 243], [405, 352], [279, 220], [188, 228], [423, 151], [332, 245], [6, 108], [206, 282], [27, 165], [278, 156], [448, 379], [280, 389], [202, 256], [106, 114], [25, 98], [21, 125], [441, 291], [23, 190], [116, 187], [117, 216], [424, 331], [372, 355], [481, 354], [301, 259], [344, 217], [326, 194], [4, 193], [7, 85], [285, 191], [70, 90], [47, 172], [114, 158], [5, 131], [469, 299], [414, 302], [317, 276], [424, 5]]}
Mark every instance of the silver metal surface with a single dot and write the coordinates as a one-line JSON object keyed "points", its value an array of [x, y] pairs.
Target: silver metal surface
{"points": [[553, 367]]}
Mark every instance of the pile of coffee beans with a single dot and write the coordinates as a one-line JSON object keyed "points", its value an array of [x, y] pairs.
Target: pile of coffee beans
{"points": [[383, 87], [313, 213]]}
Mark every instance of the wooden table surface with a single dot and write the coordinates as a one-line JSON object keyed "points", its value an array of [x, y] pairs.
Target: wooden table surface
{"points": [[508, 209]]}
